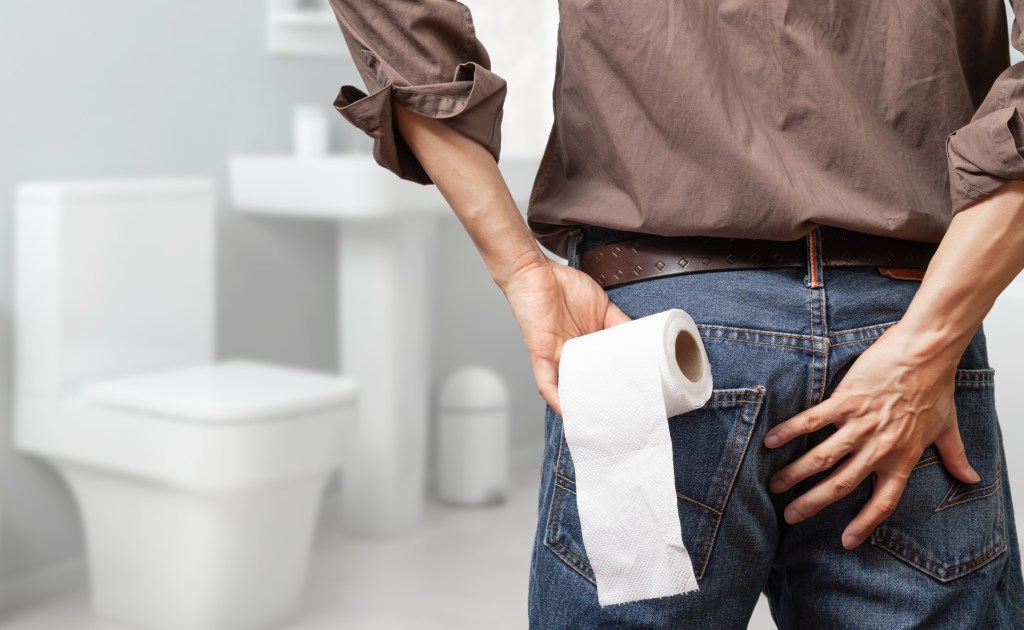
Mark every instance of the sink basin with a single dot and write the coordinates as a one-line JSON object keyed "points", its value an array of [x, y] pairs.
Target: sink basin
{"points": [[387, 241], [347, 186]]}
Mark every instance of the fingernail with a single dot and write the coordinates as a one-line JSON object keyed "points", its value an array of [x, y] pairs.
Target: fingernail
{"points": [[793, 516], [850, 541], [975, 476], [771, 440], [777, 485]]}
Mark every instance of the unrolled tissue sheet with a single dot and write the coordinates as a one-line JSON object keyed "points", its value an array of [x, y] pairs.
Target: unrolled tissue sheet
{"points": [[617, 389]]}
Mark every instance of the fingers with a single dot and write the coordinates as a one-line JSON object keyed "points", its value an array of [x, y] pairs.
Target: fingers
{"points": [[822, 457], [545, 372], [879, 507], [614, 316], [807, 421], [847, 476], [954, 457]]}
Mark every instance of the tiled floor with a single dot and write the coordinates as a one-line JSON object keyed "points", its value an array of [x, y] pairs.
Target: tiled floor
{"points": [[466, 569]]}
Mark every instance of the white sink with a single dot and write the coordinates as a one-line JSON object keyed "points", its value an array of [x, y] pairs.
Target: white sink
{"points": [[387, 239], [347, 186]]}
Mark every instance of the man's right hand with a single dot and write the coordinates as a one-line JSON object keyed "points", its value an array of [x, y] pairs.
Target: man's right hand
{"points": [[553, 303]]}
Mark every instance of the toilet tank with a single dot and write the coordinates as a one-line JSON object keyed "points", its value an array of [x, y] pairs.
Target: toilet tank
{"points": [[111, 279]]}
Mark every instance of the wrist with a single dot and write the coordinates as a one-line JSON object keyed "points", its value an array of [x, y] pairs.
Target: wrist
{"points": [[931, 341], [505, 274]]}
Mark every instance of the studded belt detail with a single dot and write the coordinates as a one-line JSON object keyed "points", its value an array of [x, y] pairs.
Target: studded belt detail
{"points": [[660, 256]]}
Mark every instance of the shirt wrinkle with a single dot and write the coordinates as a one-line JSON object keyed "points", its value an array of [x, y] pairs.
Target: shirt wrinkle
{"points": [[736, 118]]}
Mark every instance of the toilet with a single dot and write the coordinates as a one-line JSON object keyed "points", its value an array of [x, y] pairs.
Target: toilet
{"points": [[199, 481]]}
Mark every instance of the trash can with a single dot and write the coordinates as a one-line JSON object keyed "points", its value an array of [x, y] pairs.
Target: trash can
{"points": [[473, 438]]}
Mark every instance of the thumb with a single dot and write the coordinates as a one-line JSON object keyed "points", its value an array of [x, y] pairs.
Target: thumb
{"points": [[954, 456], [614, 316]]}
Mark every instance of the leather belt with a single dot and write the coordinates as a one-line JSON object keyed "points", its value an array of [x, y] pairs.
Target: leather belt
{"points": [[661, 256]]}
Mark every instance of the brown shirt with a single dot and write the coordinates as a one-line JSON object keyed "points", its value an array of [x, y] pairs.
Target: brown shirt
{"points": [[750, 118]]}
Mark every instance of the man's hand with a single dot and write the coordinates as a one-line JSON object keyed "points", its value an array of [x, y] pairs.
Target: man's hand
{"points": [[897, 397], [887, 409], [553, 303]]}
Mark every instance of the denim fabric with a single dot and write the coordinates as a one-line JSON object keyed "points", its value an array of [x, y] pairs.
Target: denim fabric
{"points": [[947, 558]]}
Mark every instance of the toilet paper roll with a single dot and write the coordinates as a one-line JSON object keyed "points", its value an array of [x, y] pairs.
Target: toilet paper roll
{"points": [[617, 389]]}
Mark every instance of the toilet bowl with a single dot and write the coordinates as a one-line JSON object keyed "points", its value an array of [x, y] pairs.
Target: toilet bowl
{"points": [[199, 481]]}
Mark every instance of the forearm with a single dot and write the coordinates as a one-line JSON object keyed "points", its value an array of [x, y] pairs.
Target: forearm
{"points": [[980, 254], [466, 174]]}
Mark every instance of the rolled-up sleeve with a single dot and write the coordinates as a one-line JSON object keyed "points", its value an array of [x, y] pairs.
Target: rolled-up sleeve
{"points": [[424, 55], [988, 151]]}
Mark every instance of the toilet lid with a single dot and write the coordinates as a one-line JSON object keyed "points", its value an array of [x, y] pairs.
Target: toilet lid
{"points": [[225, 392]]}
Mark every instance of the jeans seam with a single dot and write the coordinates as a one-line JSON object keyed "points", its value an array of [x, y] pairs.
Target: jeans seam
{"points": [[726, 491], [762, 343], [711, 528], [550, 540], [554, 514], [926, 462], [843, 343], [984, 377], [695, 501], [561, 463], [557, 513], [980, 560], [952, 498], [573, 561], [722, 401], [840, 333], [821, 310], [760, 333], [814, 357], [732, 453], [877, 331], [824, 359]]}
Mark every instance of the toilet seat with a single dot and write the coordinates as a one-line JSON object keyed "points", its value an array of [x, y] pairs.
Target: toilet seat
{"points": [[227, 392], [191, 426]]}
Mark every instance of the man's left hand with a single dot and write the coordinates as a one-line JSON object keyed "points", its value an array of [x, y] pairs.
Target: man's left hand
{"points": [[887, 409]]}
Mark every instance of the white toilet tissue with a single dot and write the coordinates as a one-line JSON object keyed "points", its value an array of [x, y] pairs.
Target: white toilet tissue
{"points": [[617, 388]]}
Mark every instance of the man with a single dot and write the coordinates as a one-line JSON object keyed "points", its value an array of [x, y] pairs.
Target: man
{"points": [[785, 172]]}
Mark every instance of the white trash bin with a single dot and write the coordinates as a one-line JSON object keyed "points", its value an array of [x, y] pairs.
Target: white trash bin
{"points": [[473, 438]]}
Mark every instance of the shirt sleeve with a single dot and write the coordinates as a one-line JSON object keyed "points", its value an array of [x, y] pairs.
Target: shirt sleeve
{"points": [[988, 151], [424, 55]]}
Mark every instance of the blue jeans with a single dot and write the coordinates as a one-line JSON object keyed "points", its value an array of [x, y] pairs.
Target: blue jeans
{"points": [[779, 343]]}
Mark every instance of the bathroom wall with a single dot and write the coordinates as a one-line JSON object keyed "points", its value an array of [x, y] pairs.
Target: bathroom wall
{"points": [[113, 89]]}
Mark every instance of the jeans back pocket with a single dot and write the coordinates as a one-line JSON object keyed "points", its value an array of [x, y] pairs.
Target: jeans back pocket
{"points": [[708, 447], [942, 526]]}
